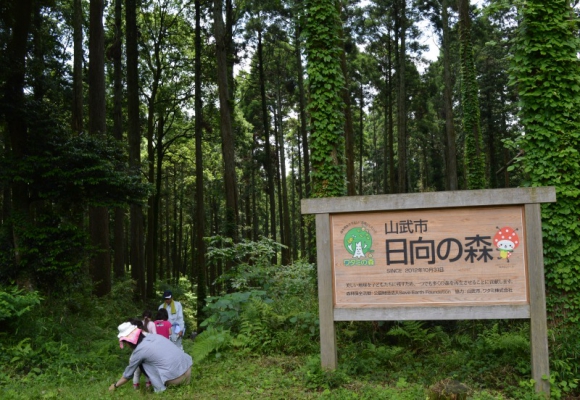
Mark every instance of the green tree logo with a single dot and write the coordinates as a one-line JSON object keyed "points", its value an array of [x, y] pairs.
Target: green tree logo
{"points": [[358, 242]]}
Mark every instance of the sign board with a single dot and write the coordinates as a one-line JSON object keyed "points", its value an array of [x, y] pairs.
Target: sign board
{"points": [[453, 256], [473, 254]]}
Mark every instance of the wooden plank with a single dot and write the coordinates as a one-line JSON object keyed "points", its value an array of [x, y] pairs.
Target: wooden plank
{"points": [[538, 324], [328, 355], [461, 198], [431, 313]]}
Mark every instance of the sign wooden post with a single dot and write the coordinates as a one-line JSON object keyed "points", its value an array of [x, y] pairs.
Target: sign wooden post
{"points": [[432, 256]]}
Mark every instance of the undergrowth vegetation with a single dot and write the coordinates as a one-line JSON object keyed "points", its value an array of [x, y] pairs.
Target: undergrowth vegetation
{"points": [[262, 341]]}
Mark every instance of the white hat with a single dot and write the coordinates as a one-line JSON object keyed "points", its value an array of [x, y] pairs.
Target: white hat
{"points": [[125, 329]]}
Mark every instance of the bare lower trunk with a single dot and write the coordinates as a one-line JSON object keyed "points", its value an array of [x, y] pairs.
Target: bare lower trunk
{"points": [[100, 264]]}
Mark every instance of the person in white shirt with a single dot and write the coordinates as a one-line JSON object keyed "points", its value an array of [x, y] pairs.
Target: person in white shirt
{"points": [[175, 311]]}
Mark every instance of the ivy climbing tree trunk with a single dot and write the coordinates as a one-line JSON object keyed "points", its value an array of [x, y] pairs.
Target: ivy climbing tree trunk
{"points": [[474, 157], [547, 74], [326, 82]]}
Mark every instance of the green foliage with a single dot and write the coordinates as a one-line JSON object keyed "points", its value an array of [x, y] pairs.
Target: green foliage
{"points": [[53, 253], [268, 349], [252, 259], [296, 279], [416, 336], [257, 323], [509, 347], [224, 311], [15, 302], [211, 340], [368, 358], [77, 171], [326, 81], [546, 72], [67, 338], [315, 377], [65, 175]]}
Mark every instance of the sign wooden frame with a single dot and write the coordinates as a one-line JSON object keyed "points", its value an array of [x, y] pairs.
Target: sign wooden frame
{"points": [[535, 309]]}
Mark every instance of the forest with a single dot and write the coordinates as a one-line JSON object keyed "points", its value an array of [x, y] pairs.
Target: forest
{"points": [[167, 144]]}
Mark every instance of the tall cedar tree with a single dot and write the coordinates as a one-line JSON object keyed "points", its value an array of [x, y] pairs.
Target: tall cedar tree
{"points": [[20, 15], [450, 151], [134, 138], [226, 123], [474, 157], [326, 80], [100, 263], [115, 52], [547, 73], [200, 216]]}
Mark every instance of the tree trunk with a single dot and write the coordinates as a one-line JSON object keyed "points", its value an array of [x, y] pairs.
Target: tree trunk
{"points": [[119, 229], [134, 138], [286, 253], [199, 188], [77, 106], [278, 176], [401, 105], [326, 84], [474, 158], [17, 128], [153, 201], [451, 153], [361, 139], [226, 124], [100, 263], [305, 147], [348, 125], [390, 147], [266, 124]]}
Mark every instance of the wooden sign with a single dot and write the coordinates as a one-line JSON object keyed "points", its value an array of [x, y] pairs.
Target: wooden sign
{"points": [[473, 254], [452, 256]]}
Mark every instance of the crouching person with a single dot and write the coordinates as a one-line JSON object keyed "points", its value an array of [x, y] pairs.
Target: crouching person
{"points": [[157, 357]]}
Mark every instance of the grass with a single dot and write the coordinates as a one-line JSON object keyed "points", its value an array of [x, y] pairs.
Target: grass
{"points": [[235, 375], [232, 377]]}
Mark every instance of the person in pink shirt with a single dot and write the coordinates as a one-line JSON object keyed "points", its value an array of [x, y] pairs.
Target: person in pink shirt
{"points": [[148, 324], [162, 325]]}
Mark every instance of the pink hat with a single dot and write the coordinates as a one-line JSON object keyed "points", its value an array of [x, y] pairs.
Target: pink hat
{"points": [[128, 333]]}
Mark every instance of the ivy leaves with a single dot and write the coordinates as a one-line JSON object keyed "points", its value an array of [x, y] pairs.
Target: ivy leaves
{"points": [[546, 70], [325, 106]]}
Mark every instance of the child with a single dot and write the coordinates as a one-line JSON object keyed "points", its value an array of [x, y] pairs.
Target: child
{"points": [[162, 325], [148, 324]]}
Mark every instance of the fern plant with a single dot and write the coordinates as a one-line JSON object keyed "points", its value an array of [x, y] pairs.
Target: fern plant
{"points": [[413, 333], [211, 340]]}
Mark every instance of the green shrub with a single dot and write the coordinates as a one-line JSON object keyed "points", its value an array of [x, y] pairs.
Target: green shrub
{"points": [[15, 302], [316, 378]]}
